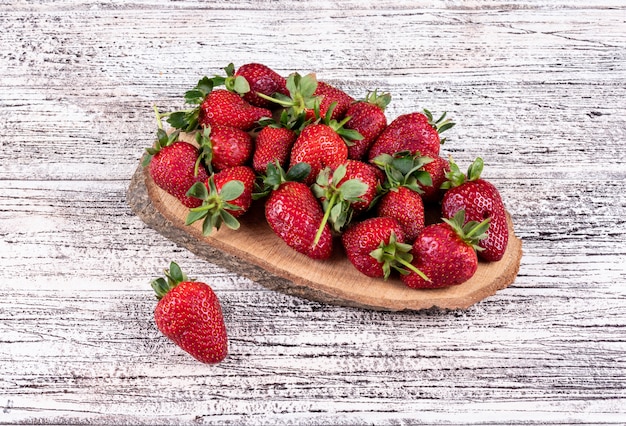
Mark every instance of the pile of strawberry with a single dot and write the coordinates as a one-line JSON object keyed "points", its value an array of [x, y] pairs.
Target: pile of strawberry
{"points": [[331, 171]]}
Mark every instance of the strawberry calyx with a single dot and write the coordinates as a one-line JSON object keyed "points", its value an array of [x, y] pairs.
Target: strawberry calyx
{"points": [[236, 84], [440, 124], [275, 176], [336, 198], [380, 100], [404, 169], [215, 207], [395, 255], [348, 135], [173, 276], [301, 98], [471, 232], [205, 154], [455, 177], [163, 139]]}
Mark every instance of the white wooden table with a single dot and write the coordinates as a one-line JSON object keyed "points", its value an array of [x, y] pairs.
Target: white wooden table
{"points": [[537, 88]]}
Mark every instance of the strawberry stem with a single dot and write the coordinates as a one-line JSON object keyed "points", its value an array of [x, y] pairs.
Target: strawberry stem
{"points": [[413, 268], [320, 230]]}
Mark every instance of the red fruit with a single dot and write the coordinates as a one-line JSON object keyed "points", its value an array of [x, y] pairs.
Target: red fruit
{"points": [[262, 79], [367, 174], [368, 118], [445, 252], [246, 176], [415, 132], [223, 147], [320, 146], [189, 313], [272, 144], [375, 246], [294, 214], [173, 168], [224, 108], [437, 170], [480, 200], [328, 95], [226, 196], [407, 207]]}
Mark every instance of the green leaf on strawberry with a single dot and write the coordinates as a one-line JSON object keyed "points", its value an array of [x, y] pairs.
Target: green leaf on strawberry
{"points": [[215, 207]]}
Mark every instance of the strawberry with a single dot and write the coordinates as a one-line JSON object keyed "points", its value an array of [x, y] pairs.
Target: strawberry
{"points": [[401, 190], [375, 246], [225, 196], [337, 192], [437, 170], [224, 108], [189, 313], [414, 132], [480, 200], [272, 144], [294, 214], [220, 107], [262, 79], [446, 252], [173, 166], [223, 147], [407, 207], [367, 174], [367, 116], [328, 96], [324, 144], [319, 145]]}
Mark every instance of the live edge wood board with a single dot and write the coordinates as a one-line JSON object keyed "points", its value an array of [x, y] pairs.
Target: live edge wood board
{"points": [[255, 252]]}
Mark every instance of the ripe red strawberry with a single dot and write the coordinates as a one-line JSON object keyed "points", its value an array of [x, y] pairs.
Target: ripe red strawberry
{"points": [[401, 190], [367, 174], [367, 116], [480, 200], [446, 253], [437, 170], [262, 79], [189, 313], [328, 96], [320, 146], [225, 196], [173, 166], [223, 147], [406, 206], [272, 144], [375, 246], [224, 108], [294, 214], [414, 132]]}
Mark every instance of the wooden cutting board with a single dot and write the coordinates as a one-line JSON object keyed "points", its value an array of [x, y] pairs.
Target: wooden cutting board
{"points": [[254, 251]]}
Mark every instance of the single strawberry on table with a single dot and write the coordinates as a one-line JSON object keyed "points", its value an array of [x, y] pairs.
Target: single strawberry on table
{"points": [[446, 252], [189, 313], [413, 132], [174, 166], [480, 200], [375, 246], [367, 116]]}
